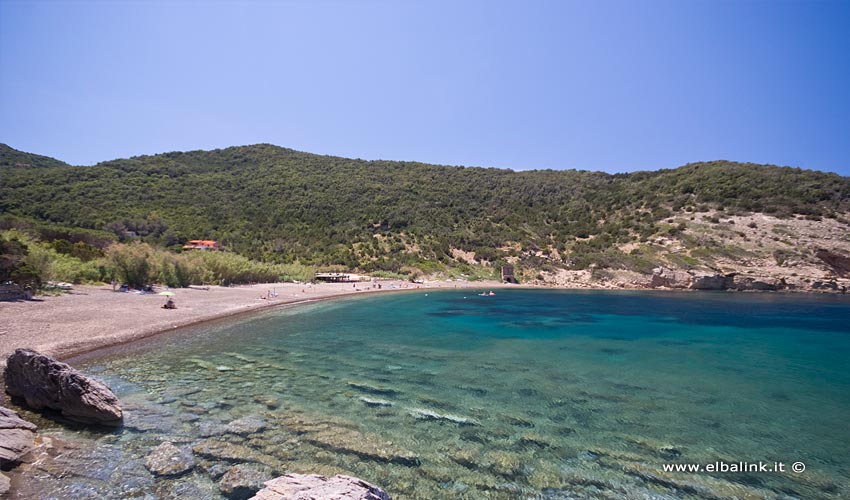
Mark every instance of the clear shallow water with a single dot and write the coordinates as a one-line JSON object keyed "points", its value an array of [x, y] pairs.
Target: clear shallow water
{"points": [[527, 394]]}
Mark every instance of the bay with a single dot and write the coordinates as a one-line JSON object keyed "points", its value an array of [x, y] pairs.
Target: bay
{"points": [[449, 394]]}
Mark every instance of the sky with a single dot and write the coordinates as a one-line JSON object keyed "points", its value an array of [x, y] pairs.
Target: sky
{"points": [[604, 85]]}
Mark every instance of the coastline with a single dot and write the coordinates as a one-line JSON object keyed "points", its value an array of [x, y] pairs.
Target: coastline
{"points": [[94, 317]]}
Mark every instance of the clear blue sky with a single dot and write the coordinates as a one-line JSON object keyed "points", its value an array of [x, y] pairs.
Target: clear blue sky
{"points": [[596, 85]]}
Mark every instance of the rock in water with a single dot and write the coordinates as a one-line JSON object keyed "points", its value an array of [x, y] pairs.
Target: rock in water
{"points": [[16, 436], [5, 484], [243, 481], [170, 461], [314, 486], [246, 425], [44, 382]]}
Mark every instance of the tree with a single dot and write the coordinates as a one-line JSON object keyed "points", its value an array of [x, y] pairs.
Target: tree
{"points": [[133, 263]]}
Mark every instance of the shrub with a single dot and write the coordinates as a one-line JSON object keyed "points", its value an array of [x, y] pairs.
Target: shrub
{"points": [[133, 263]]}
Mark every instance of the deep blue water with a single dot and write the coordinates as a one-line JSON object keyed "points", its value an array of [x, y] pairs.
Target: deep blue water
{"points": [[525, 394]]}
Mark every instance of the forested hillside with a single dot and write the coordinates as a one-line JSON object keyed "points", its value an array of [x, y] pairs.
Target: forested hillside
{"points": [[10, 157], [275, 204]]}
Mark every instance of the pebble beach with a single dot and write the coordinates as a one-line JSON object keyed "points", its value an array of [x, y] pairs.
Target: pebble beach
{"points": [[91, 317]]}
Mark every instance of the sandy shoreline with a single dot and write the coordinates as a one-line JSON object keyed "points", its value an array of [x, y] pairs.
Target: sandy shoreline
{"points": [[92, 317]]}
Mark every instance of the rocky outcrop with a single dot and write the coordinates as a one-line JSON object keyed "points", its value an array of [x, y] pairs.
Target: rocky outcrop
{"points": [[168, 460], [17, 436], [695, 280], [840, 264], [821, 285], [667, 278], [711, 282], [314, 486], [43, 382], [748, 283], [5, 484]]}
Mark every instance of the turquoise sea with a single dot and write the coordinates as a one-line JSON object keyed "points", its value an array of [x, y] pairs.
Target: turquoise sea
{"points": [[527, 394]]}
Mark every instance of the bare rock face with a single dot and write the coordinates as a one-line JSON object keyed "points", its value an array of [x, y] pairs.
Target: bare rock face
{"points": [[663, 277], [840, 264], [16, 436], [44, 382], [711, 282], [757, 283], [316, 487]]}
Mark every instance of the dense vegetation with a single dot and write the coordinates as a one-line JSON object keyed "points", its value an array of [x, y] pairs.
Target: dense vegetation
{"points": [[277, 205], [34, 264], [10, 157]]}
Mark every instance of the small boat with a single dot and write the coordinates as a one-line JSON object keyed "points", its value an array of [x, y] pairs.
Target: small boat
{"points": [[483, 294]]}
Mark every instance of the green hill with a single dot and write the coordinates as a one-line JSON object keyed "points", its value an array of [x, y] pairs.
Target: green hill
{"points": [[10, 157], [281, 205]]}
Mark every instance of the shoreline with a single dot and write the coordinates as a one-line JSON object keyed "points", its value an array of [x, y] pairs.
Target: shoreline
{"points": [[94, 317]]}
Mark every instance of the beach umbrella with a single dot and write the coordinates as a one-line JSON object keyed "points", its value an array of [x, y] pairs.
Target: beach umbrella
{"points": [[168, 294]]}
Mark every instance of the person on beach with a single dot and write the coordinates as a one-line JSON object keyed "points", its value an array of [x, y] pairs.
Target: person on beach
{"points": [[169, 304]]}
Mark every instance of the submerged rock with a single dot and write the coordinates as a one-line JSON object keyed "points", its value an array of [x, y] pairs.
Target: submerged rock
{"points": [[243, 481], [375, 402], [340, 436], [16, 436], [469, 457], [169, 460], [363, 445], [372, 389], [208, 429], [219, 450], [318, 487], [44, 382], [504, 463], [246, 425], [701, 485], [425, 414]]}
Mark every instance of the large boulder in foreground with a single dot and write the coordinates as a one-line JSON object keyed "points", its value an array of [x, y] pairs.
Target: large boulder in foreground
{"points": [[316, 487], [42, 382]]}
